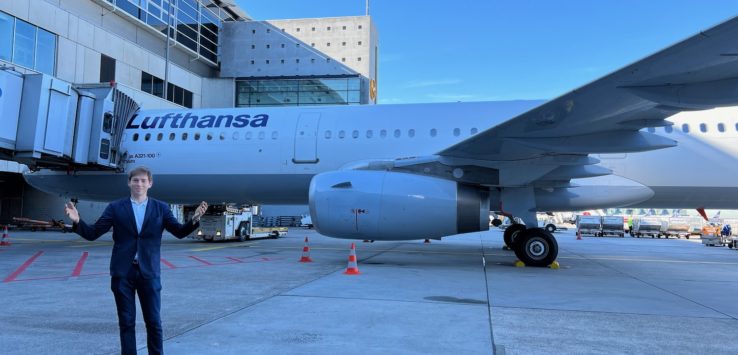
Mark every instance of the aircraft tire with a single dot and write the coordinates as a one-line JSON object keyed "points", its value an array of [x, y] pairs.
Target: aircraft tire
{"points": [[512, 233], [536, 247]]}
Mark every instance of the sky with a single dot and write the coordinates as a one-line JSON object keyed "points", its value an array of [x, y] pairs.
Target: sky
{"points": [[479, 50]]}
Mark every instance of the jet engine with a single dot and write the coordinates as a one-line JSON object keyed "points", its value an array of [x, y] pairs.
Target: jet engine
{"points": [[383, 205]]}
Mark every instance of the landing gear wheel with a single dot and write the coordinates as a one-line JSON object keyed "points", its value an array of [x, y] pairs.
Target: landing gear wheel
{"points": [[550, 228], [536, 247], [511, 234]]}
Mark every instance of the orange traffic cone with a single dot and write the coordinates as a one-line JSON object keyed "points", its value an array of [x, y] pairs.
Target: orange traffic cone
{"points": [[353, 268], [306, 253], [579, 235], [5, 242]]}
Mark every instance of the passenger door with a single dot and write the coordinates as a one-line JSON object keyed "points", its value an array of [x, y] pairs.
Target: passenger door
{"points": [[306, 139]]}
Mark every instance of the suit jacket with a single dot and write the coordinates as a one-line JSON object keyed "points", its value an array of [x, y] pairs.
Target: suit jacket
{"points": [[126, 239]]}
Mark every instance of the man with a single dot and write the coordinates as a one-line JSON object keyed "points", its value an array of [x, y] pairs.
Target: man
{"points": [[138, 223]]}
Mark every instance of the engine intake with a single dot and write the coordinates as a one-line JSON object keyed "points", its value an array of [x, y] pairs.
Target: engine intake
{"points": [[382, 205]]}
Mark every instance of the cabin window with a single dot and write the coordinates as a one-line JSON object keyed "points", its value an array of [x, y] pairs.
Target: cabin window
{"points": [[209, 136], [197, 136], [685, 128], [703, 128], [147, 137], [160, 136], [172, 136], [222, 136], [184, 136], [275, 135], [433, 132], [248, 135], [383, 133], [398, 133], [235, 136], [369, 133], [327, 134], [135, 137], [341, 134], [355, 134], [474, 131], [721, 127], [668, 129], [411, 133], [262, 135], [457, 132]]}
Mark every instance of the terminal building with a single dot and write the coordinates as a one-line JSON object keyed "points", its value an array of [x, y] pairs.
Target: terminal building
{"points": [[174, 54]]}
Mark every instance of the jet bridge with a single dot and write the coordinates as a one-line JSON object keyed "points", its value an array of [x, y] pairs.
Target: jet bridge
{"points": [[49, 123]]}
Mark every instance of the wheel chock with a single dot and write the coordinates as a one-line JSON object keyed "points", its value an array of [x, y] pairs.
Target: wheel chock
{"points": [[555, 265], [505, 247], [519, 263]]}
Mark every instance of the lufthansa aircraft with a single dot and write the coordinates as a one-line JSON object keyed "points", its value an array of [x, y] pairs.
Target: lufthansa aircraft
{"points": [[394, 172]]}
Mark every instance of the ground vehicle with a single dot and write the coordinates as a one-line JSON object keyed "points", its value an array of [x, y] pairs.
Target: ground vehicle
{"points": [[676, 227], [613, 225], [646, 226], [549, 224], [222, 222], [711, 235], [589, 225]]}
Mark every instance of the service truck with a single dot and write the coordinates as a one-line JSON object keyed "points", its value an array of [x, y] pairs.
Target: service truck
{"points": [[222, 222]]}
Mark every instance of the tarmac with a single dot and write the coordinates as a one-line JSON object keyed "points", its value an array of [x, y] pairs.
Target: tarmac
{"points": [[458, 295]]}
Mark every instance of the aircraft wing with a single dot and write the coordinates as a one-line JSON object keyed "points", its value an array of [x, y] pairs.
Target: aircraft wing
{"points": [[550, 143]]}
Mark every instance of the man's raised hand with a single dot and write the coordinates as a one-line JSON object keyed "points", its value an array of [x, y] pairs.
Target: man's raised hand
{"points": [[71, 212], [200, 211]]}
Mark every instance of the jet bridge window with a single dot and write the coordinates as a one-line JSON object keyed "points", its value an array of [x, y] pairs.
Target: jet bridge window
{"points": [[703, 128], [721, 127], [685, 128]]}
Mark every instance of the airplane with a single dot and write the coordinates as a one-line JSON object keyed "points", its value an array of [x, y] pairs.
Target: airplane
{"points": [[415, 171]]}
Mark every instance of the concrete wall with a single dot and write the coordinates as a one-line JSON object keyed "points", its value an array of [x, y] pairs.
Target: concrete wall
{"points": [[258, 48], [221, 92]]}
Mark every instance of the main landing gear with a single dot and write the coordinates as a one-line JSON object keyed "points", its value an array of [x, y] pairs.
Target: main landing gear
{"points": [[533, 246]]}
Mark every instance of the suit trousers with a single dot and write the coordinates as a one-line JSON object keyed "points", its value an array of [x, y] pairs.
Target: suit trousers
{"points": [[149, 295]]}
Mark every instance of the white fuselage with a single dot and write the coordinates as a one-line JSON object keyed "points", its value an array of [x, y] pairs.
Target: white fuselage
{"points": [[271, 158]]}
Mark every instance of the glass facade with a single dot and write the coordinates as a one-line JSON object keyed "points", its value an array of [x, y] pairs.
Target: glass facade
{"points": [[195, 23], [27, 45], [155, 86], [298, 92]]}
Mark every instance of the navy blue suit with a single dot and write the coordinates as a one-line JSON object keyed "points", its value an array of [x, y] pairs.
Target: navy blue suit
{"points": [[142, 276]]}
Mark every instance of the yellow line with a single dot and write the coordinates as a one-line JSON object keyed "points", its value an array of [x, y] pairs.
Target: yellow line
{"points": [[225, 246]]}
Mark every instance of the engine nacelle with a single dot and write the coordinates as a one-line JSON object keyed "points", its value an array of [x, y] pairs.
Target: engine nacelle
{"points": [[382, 205]]}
